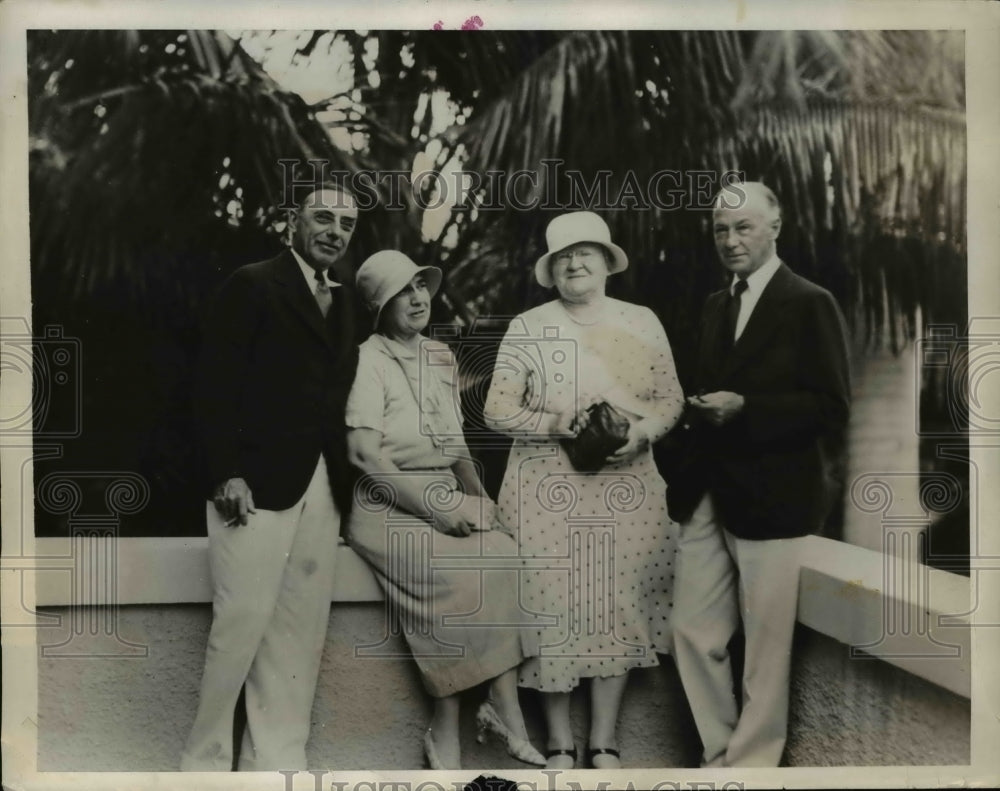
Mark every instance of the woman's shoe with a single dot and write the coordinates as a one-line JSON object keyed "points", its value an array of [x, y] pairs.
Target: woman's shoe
{"points": [[556, 752], [430, 751], [594, 752], [488, 720]]}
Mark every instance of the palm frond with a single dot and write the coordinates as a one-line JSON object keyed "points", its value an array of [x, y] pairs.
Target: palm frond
{"points": [[155, 145]]}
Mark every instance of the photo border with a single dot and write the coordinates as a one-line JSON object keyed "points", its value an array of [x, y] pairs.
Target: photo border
{"points": [[981, 22]]}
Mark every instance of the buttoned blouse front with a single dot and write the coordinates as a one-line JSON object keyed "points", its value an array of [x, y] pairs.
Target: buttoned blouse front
{"points": [[424, 435]]}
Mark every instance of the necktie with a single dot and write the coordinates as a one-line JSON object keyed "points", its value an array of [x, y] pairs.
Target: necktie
{"points": [[323, 296], [733, 312]]}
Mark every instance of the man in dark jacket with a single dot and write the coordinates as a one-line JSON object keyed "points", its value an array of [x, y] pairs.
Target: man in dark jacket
{"points": [[277, 364], [773, 388]]}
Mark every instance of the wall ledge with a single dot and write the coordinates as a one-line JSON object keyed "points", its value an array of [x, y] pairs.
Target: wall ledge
{"points": [[891, 608], [885, 607]]}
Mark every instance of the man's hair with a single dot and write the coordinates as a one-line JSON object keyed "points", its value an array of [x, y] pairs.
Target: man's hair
{"points": [[304, 194], [304, 178], [769, 197], [740, 190]]}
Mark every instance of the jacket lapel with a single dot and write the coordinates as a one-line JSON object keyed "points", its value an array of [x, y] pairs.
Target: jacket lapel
{"points": [[710, 356], [296, 293], [342, 320], [766, 317]]}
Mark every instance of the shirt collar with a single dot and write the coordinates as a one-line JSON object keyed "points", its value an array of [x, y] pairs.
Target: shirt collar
{"points": [[309, 273], [760, 278], [396, 349]]}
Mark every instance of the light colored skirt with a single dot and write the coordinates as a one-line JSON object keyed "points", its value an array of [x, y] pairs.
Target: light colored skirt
{"points": [[454, 598]]}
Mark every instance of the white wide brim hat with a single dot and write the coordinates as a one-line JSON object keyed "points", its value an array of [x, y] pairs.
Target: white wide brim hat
{"points": [[573, 228], [384, 274]]}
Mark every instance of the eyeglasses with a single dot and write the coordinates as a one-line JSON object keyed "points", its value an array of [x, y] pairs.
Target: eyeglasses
{"points": [[566, 256]]}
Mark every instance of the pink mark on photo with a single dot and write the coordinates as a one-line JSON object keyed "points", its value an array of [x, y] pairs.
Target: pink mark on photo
{"points": [[472, 23]]}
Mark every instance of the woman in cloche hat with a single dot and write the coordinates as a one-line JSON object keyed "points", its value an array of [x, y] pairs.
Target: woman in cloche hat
{"points": [[612, 604], [421, 499]]}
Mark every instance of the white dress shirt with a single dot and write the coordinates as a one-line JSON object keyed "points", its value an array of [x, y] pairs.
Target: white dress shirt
{"points": [[755, 287], [310, 274]]}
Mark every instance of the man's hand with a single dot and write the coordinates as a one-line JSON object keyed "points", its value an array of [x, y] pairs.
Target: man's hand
{"points": [[718, 408], [637, 443], [234, 501]]}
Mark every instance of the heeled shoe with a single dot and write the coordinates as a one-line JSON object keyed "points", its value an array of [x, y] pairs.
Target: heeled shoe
{"points": [[561, 751], [593, 752], [488, 720], [430, 752]]}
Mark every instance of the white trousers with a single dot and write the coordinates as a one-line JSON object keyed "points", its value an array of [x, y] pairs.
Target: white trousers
{"points": [[272, 581], [720, 579]]}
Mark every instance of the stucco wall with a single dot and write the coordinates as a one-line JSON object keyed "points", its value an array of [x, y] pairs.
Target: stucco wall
{"points": [[107, 714], [861, 712]]}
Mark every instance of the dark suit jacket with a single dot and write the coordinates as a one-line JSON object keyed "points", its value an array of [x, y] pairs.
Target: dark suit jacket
{"points": [[273, 382], [767, 469]]}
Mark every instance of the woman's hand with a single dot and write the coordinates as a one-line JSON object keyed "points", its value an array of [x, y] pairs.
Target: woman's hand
{"points": [[474, 514], [637, 444], [453, 523], [571, 421], [565, 424]]}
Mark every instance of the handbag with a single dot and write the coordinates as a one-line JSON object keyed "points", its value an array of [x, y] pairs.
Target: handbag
{"points": [[606, 431]]}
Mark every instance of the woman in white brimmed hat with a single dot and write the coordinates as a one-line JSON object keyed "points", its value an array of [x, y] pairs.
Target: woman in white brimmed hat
{"points": [[422, 499], [555, 360]]}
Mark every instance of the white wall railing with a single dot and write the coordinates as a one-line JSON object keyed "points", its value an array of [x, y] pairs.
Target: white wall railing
{"points": [[883, 606]]}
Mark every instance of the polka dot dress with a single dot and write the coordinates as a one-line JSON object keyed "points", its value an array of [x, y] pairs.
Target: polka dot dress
{"points": [[597, 549]]}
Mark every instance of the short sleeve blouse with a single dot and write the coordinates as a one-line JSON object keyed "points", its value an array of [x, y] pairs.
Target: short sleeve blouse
{"points": [[390, 378]]}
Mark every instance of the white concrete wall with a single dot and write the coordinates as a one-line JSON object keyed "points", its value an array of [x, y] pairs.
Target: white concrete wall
{"points": [[116, 714], [118, 687]]}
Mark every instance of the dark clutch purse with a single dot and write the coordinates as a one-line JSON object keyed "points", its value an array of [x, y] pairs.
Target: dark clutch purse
{"points": [[606, 431]]}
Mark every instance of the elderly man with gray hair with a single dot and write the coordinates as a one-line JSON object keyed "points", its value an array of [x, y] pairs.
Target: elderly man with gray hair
{"points": [[772, 387]]}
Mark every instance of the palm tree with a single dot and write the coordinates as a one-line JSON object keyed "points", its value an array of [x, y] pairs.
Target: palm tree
{"points": [[153, 165], [861, 133], [152, 175], [153, 162]]}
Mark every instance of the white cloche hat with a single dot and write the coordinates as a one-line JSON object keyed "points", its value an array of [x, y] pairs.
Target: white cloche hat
{"points": [[384, 274], [573, 228]]}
